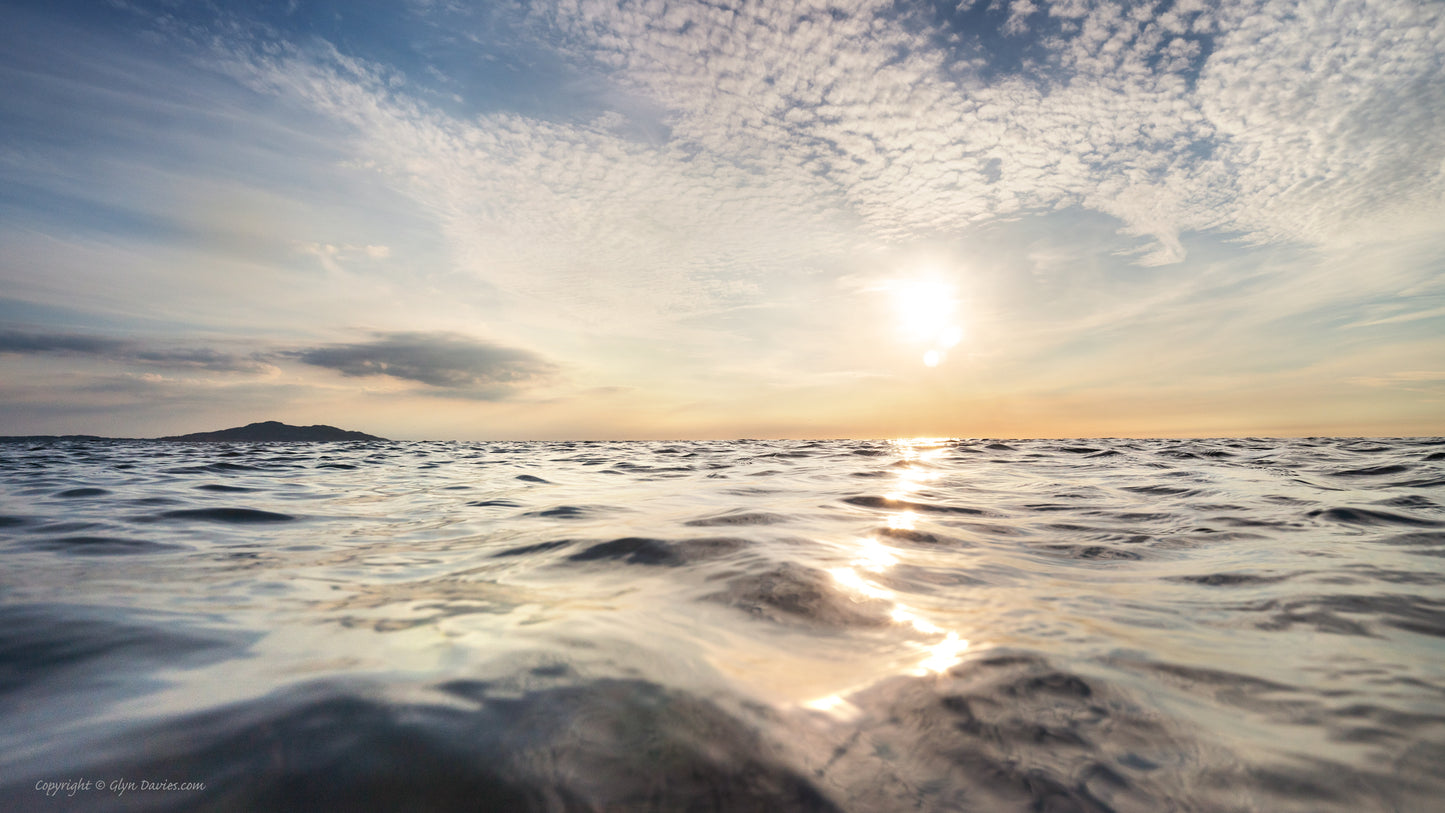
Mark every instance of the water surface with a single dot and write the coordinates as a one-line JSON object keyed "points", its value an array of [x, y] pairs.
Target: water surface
{"points": [[784, 625]]}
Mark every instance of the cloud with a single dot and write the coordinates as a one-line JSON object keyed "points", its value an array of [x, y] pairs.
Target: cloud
{"points": [[802, 133], [461, 365], [129, 352], [14, 341], [332, 257], [1279, 121], [1410, 379], [576, 222], [456, 364]]}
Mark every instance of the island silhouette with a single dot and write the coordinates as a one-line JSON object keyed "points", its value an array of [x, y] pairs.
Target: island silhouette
{"points": [[262, 432]]}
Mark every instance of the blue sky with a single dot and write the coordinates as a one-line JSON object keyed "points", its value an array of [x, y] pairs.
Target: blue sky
{"points": [[623, 219]]}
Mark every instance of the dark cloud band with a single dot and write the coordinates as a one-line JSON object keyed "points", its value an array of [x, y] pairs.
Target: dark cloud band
{"points": [[443, 360], [80, 344]]}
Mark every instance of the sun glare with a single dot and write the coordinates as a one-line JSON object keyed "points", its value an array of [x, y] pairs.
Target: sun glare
{"points": [[927, 310]]}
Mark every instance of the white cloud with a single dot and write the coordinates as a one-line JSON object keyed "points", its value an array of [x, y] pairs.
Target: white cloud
{"points": [[1298, 121], [798, 131]]}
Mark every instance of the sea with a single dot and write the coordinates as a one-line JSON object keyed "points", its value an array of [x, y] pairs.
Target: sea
{"points": [[751, 625]]}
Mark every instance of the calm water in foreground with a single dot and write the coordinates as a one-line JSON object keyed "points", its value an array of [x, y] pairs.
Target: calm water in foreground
{"points": [[751, 625]]}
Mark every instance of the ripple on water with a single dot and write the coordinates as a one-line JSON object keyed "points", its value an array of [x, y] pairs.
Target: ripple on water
{"points": [[100, 545], [1371, 471], [893, 504], [1366, 516], [737, 518], [73, 493], [643, 551], [238, 516], [792, 593]]}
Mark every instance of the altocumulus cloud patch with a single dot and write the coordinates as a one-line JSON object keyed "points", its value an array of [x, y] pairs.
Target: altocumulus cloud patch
{"points": [[448, 361]]}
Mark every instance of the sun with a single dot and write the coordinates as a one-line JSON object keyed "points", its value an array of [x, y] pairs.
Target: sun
{"points": [[927, 308]]}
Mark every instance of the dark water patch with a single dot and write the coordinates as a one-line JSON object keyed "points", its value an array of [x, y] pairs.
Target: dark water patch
{"points": [[1311, 615], [1370, 573], [157, 501], [1104, 453], [1370, 471], [532, 478], [1408, 501], [41, 643], [540, 547], [1365, 516], [1212, 681], [344, 466], [605, 745], [644, 551], [921, 537], [1133, 517], [64, 527], [100, 546], [1089, 450], [789, 592], [1365, 448], [83, 492], [1000, 447], [1050, 506], [559, 512], [1413, 613], [225, 489], [494, 503], [1424, 538], [1434, 456], [11, 522], [1423, 482], [1092, 552], [887, 504], [1005, 734], [213, 467], [737, 518], [240, 516], [1232, 579], [1162, 490], [1282, 499]]}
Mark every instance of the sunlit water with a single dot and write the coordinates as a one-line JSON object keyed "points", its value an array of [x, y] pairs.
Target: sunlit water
{"points": [[842, 625]]}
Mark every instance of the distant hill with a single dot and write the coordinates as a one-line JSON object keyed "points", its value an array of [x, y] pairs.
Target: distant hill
{"points": [[264, 432], [274, 432]]}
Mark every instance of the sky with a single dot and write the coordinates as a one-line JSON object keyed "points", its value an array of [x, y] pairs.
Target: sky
{"points": [[618, 219]]}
